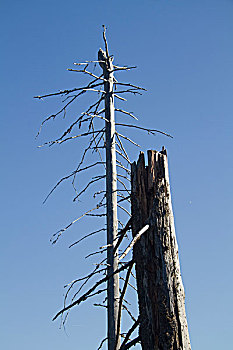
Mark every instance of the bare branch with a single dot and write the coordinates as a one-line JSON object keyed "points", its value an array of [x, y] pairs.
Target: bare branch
{"points": [[120, 165], [98, 292], [124, 199], [121, 235], [131, 330], [121, 154], [124, 177], [105, 41], [86, 236], [83, 156], [121, 301], [131, 343], [129, 313], [85, 62], [116, 68], [135, 239], [89, 183], [68, 176], [85, 295], [127, 113], [100, 252], [100, 305], [128, 139], [119, 97], [85, 277], [120, 145], [66, 92], [59, 233], [102, 342], [150, 131], [123, 279], [87, 72], [121, 182], [130, 85], [125, 210]]}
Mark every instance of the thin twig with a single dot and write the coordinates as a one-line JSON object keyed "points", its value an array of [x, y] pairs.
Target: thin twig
{"points": [[150, 131], [131, 330], [121, 301], [127, 113], [131, 343], [85, 295]]}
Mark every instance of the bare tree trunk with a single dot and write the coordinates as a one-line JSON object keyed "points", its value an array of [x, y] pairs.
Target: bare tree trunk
{"points": [[111, 197], [163, 324]]}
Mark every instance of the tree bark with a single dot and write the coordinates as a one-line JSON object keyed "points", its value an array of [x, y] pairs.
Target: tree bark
{"points": [[111, 198], [163, 323]]}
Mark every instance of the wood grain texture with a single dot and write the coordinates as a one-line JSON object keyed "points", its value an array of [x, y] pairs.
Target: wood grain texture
{"points": [[163, 324]]}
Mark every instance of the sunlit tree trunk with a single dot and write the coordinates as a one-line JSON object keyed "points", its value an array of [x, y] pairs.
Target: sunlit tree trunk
{"points": [[111, 198], [163, 323]]}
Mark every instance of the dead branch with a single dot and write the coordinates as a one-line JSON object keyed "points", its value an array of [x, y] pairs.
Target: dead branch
{"points": [[129, 313], [121, 147], [121, 235], [131, 343], [131, 330], [105, 41], [124, 177], [68, 131], [89, 183], [87, 72], [102, 342], [131, 91], [130, 85], [85, 295], [121, 154], [128, 139], [86, 236], [117, 68], [85, 277], [121, 182], [127, 113], [121, 300], [68, 176], [124, 199], [100, 252], [59, 233], [125, 210], [120, 165], [123, 279], [150, 131], [96, 293], [83, 157], [69, 91], [100, 305], [136, 238]]}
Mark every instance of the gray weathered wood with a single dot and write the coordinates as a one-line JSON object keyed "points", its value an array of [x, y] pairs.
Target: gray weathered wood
{"points": [[163, 323], [111, 198]]}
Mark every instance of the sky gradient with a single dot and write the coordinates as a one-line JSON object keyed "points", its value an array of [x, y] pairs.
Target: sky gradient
{"points": [[184, 53]]}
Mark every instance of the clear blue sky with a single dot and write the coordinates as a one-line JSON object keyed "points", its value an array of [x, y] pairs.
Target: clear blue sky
{"points": [[184, 53]]}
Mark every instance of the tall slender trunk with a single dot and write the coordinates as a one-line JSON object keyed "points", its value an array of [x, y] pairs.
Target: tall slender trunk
{"points": [[163, 323], [111, 198]]}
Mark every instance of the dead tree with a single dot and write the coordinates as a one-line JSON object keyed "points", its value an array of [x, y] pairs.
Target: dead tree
{"points": [[106, 64], [108, 144], [163, 324]]}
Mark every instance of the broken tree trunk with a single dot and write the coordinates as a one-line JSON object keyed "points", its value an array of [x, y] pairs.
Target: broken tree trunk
{"points": [[163, 323]]}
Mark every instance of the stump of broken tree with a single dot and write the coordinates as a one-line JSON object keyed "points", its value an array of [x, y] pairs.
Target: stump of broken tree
{"points": [[163, 323]]}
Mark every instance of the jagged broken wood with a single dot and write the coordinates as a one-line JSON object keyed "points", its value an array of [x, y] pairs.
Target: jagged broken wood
{"points": [[163, 323]]}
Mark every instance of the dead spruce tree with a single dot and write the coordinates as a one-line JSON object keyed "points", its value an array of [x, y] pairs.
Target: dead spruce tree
{"points": [[107, 143]]}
